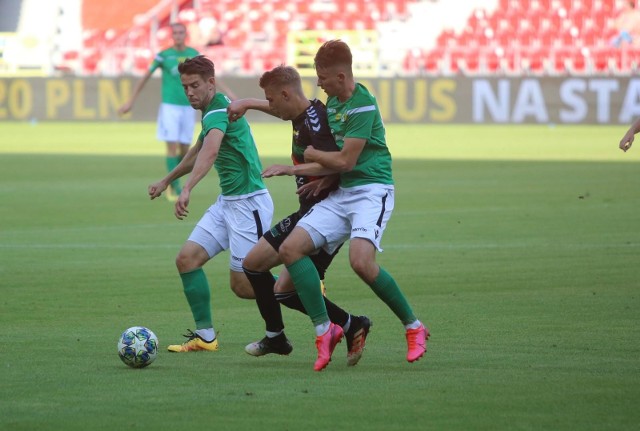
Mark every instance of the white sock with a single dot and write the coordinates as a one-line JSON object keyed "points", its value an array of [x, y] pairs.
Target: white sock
{"points": [[322, 328], [347, 325], [207, 335], [413, 325], [273, 334]]}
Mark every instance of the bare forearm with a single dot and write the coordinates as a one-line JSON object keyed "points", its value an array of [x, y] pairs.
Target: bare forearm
{"points": [[200, 169], [311, 169]]}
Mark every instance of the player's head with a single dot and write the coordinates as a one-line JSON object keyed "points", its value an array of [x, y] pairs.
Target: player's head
{"points": [[179, 34], [333, 63], [283, 89], [198, 76]]}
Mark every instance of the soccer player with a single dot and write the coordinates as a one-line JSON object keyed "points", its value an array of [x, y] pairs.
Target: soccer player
{"points": [[359, 210], [285, 99], [176, 118], [241, 213], [628, 138]]}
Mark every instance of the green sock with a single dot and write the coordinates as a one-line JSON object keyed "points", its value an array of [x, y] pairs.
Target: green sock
{"points": [[307, 282], [387, 289], [172, 162], [196, 289]]}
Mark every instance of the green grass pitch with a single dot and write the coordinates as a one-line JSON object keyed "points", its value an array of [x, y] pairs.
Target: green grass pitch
{"points": [[518, 246]]}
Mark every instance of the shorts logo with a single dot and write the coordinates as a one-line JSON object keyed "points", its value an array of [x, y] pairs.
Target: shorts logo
{"points": [[359, 229], [377, 233], [237, 259], [285, 224]]}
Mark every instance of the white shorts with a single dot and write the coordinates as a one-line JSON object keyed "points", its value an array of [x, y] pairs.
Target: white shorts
{"points": [[176, 123], [355, 212], [234, 224]]}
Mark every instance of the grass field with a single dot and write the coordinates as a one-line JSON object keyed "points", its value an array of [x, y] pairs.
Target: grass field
{"points": [[518, 246]]}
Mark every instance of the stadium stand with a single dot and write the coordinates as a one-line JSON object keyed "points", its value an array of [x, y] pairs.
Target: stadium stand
{"points": [[428, 37]]}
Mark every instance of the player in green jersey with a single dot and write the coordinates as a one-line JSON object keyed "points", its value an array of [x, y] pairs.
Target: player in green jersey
{"points": [[242, 211], [176, 117], [359, 210]]}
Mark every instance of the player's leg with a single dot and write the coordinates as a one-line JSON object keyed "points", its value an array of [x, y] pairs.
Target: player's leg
{"points": [[370, 215], [321, 226], [246, 220], [207, 239], [257, 264], [196, 289], [355, 328]]}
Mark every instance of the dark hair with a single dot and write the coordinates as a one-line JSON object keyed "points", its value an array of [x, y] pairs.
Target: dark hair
{"points": [[333, 53], [280, 76], [199, 65]]}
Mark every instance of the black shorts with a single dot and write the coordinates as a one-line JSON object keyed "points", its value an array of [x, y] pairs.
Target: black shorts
{"points": [[281, 230]]}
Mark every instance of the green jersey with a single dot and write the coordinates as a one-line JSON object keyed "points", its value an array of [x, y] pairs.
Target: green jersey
{"points": [[237, 164], [359, 117], [168, 61]]}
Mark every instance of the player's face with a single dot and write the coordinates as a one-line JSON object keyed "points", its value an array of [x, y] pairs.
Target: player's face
{"points": [[198, 91], [179, 34], [329, 80], [279, 102]]}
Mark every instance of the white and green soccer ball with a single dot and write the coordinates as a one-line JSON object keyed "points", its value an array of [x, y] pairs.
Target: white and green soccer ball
{"points": [[138, 347]]}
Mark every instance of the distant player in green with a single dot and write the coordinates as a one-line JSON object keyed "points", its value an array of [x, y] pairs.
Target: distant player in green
{"points": [[176, 117], [241, 213], [359, 210]]}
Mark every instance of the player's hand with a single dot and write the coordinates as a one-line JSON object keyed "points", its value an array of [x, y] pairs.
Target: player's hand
{"points": [[309, 154], [156, 189], [235, 110], [182, 203], [277, 170], [315, 187], [125, 108], [626, 141]]}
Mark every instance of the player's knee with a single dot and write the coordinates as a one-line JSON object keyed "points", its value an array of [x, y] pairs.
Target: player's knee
{"points": [[184, 262], [287, 253], [243, 290], [364, 268]]}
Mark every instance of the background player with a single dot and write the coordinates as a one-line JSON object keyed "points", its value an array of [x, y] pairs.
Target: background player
{"points": [[176, 117]]}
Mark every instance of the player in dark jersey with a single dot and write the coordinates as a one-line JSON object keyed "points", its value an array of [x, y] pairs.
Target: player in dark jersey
{"points": [[285, 99]]}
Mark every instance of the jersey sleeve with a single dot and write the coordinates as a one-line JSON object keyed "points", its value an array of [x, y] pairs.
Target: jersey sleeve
{"points": [[157, 62], [215, 119], [360, 121]]}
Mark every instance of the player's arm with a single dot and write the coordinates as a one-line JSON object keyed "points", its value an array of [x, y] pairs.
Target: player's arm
{"points": [[237, 108], [183, 168], [136, 92], [627, 139], [337, 161], [304, 169], [204, 161]]}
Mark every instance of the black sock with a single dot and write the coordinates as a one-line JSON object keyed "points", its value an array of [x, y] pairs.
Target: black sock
{"points": [[291, 300], [263, 283]]}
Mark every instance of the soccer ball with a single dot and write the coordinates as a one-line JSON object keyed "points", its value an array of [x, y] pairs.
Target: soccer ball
{"points": [[138, 347]]}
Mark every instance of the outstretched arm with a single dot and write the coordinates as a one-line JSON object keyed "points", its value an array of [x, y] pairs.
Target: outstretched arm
{"points": [[136, 92], [238, 108], [627, 139], [202, 165], [183, 168]]}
